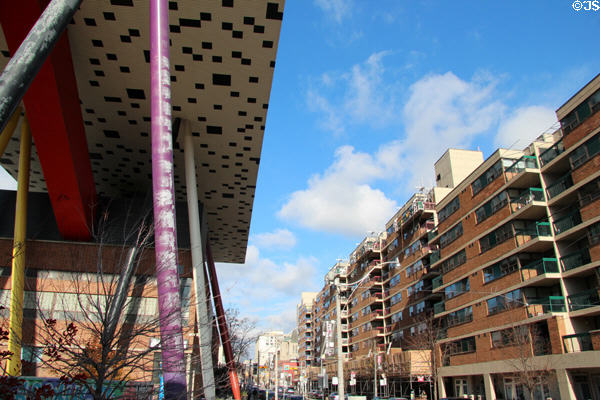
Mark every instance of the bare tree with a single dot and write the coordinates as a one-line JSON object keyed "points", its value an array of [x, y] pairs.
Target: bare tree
{"points": [[242, 332], [429, 331], [523, 344], [104, 314]]}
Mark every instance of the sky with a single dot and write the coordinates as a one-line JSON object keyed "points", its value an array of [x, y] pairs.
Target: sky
{"points": [[366, 96]]}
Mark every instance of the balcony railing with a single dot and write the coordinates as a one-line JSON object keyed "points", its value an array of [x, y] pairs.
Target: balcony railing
{"points": [[439, 307], [577, 342], [559, 186], [529, 195], [567, 222], [543, 229], [586, 299], [575, 259], [543, 265], [434, 257], [549, 304], [437, 282], [520, 165], [552, 152]]}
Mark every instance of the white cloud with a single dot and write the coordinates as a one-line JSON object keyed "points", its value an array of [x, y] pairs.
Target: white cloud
{"points": [[524, 125], [340, 200], [262, 288], [442, 111], [336, 9], [280, 238], [366, 98]]}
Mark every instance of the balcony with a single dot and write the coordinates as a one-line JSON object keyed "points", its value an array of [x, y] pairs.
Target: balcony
{"points": [[548, 304], [530, 232], [525, 162], [575, 259], [439, 307], [543, 266], [527, 197], [586, 299], [437, 282], [562, 184], [565, 223], [552, 152], [577, 342], [434, 257]]}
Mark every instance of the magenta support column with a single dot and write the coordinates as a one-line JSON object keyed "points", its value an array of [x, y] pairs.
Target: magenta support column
{"points": [[169, 302]]}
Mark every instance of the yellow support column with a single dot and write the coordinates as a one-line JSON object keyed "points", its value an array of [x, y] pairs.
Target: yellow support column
{"points": [[13, 366], [9, 130]]}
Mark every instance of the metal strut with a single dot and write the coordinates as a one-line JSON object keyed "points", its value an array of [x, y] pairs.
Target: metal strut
{"points": [[29, 58], [223, 329]]}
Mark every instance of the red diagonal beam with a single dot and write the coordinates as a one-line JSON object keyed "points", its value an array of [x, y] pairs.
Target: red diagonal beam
{"points": [[222, 321], [54, 115]]}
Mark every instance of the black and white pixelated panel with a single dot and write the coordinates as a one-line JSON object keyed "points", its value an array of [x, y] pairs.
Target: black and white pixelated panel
{"points": [[222, 62]]}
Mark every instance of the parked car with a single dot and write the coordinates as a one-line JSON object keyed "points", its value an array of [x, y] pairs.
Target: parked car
{"points": [[334, 396]]}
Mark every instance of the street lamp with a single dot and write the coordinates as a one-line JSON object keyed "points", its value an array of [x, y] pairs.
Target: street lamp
{"points": [[340, 360]]}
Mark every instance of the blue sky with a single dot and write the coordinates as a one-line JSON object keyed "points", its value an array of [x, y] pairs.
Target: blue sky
{"points": [[367, 94]]}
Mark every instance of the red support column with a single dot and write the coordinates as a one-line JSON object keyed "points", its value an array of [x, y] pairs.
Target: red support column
{"points": [[223, 329], [54, 114]]}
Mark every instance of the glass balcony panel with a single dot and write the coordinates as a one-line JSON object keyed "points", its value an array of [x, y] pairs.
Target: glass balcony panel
{"points": [[552, 152], [577, 342], [586, 299], [575, 259], [543, 229], [439, 307], [559, 186], [565, 223], [543, 265], [549, 304], [520, 165], [437, 282]]}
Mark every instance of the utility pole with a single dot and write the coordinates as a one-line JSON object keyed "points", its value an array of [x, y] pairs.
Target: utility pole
{"points": [[340, 357], [374, 370], [276, 374]]}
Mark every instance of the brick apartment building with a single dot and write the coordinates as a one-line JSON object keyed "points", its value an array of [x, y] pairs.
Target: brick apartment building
{"points": [[501, 257]]}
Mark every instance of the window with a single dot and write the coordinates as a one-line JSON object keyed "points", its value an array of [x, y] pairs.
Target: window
{"points": [[498, 236], [500, 269], [503, 302], [581, 113], [395, 280], [398, 335], [391, 229], [457, 288], [456, 260], [417, 287], [589, 192], [460, 316], [510, 336], [593, 233], [32, 354], [451, 235], [449, 209], [490, 175], [466, 345], [397, 317], [584, 152], [414, 268], [491, 207], [395, 298]]}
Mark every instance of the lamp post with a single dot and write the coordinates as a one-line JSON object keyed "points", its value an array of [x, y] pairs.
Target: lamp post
{"points": [[340, 361]]}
